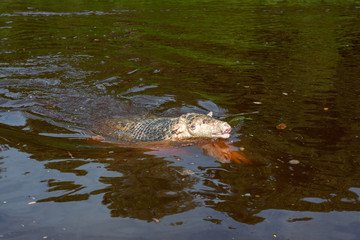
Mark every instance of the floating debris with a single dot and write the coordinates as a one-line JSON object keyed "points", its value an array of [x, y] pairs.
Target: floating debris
{"points": [[186, 172], [294, 161], [156, 220], [280, 160], [98, 138], [133, 71], [281, 126]]}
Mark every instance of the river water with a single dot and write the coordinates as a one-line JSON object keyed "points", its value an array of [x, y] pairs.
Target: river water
{"points": [[284, 74]]}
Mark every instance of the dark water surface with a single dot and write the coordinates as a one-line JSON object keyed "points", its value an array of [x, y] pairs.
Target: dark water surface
{"points": [[67, 65]]}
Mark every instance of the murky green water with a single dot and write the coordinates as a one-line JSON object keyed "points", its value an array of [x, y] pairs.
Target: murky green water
{"points": [[67, 65]]}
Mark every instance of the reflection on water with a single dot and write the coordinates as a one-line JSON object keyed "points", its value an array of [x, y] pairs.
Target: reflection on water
{"points": [[64, 68]]}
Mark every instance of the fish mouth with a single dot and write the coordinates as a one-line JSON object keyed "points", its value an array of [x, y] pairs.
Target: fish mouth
{"points": [[224, 133], [221, 135]]}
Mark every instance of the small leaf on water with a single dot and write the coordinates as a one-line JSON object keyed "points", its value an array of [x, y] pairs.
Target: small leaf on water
{"points": [[98, 138], [281, 126]]}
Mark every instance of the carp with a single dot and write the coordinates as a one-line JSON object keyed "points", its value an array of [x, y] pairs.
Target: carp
{"points": [[187, 126]]}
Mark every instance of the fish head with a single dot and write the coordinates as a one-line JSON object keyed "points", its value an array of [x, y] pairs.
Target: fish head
{"points": [[201, 125]]}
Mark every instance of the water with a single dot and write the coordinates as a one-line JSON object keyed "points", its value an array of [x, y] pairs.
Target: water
{"points": [[66, 66]]}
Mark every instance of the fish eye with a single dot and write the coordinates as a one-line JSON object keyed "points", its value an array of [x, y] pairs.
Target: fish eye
{"points": [[192, 127]]}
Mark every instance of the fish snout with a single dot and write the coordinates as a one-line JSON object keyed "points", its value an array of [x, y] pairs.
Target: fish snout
{"points": [[226, 128], [223, 131]]}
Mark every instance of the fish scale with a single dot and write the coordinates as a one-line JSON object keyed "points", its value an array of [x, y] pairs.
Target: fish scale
{"points": [[155, 129]]}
